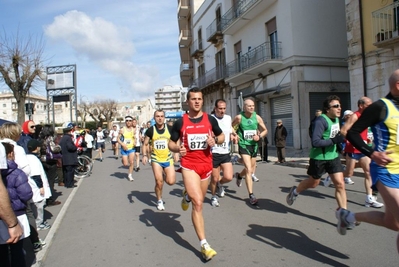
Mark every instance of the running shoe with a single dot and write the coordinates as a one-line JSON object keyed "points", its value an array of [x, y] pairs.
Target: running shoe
{"points": [[160, 205], [252, 199], [254, 178], [207, 252], [221, 191], [348, 180], [373, 203], [327, 181], [291, 196], [43, 226], [215, 201], [43, 243], [101, 159], [37, 246], [184, 203], [130, 177], [238, 179], [343, 224]]}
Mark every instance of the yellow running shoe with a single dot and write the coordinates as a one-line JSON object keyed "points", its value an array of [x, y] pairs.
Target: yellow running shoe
{"points": [[207, 252], [184, 203]]}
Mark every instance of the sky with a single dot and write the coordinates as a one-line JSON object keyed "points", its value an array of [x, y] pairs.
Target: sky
{"points": [[123, 49]]}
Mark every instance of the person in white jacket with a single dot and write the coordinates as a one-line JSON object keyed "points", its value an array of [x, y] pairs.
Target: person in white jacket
{"points": [[39, 183]]}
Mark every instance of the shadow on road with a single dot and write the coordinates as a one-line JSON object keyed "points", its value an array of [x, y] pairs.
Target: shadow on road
{"points": [[295, 241], [271, 205], [120, 175], [145, 197], [168, 225]]}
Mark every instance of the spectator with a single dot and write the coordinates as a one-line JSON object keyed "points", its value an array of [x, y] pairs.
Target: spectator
{"points": [[28, 130], [69, 157], [39, 183], [280, 136], [20, 193], [49, 162]]}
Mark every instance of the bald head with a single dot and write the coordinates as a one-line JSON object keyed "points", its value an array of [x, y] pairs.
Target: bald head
{"points": [[393, 82], [249, 105]]}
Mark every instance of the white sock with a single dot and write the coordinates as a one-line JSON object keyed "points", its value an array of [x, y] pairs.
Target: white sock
{"points": [[295, 192], [370, 198], [351, 217], [187, 198], [202, 242], [160, 201]]}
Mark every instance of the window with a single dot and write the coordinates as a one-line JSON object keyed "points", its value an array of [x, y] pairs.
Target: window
{"points": [[271, 28], [200, 39], [4, 105], [220, 59], [238, 52]]}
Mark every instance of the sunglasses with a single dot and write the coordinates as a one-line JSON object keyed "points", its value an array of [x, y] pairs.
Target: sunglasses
{"points": [[129, 120], [33, 127], [336, 106]]}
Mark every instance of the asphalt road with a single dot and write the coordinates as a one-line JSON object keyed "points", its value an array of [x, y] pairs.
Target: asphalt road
{"points": [[109, 221]]}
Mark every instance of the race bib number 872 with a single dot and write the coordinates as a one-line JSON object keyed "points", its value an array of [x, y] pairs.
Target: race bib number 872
{"points": [[197, 141]]}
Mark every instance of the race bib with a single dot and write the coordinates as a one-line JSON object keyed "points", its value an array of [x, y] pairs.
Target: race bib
{"points": [[128, 141], [160, 145], [334, 130], [249, 134], [223, 145], [197, 141]]}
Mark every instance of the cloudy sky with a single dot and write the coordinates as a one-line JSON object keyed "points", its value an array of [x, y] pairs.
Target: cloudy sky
{"points": [[123, 49]]}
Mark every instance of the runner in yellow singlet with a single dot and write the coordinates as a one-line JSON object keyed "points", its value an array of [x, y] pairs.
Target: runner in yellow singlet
{"points": [[126, 140], [161, 157]]}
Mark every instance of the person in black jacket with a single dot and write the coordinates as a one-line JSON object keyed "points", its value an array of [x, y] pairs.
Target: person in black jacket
{"points": [[69, 157], [280, 136]]}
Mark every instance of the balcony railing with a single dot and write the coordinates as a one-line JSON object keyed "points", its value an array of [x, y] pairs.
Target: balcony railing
{"points": [[186, 66], [214, 31], [185, 37], [211, 76], [263, 53], [183, 7], [236, 11], [196, 49], [386, 23]]}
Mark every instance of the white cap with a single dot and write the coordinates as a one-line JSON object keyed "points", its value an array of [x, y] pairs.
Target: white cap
{"points": [[347, 112]]}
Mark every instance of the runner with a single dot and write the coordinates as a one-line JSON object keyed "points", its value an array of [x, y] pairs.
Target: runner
{"points": [[194, 131], [383, 118], [353, 155], [221, 153], [137, 147], [324, 155], [161, 157], [100, 142], [126, 141], [113, 134], [251, 129]]}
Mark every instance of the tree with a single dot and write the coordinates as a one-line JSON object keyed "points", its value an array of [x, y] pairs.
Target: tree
{"points": [[100, 111], [21, 66]]}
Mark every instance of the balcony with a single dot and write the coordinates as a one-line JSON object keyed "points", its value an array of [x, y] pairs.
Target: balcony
{"points": [[185, 37], [184, 52], [214, 32], [197, 50], [257, 60], [386, 26], [237, 16], [186, 68], [211, 77], [183, 8]]}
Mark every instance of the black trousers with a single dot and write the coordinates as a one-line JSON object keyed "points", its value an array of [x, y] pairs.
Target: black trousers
{"points": [[51, 172], [69, 173]]}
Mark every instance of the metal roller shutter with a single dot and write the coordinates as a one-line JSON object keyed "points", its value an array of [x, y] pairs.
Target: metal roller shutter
{"points": [[281, 108]]}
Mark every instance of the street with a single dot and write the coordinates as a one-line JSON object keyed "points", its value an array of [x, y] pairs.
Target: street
{"points": [[109, 221]]}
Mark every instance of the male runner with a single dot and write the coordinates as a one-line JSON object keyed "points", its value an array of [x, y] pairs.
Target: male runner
{"points": [[324, 155], [221, 153], [194, 131], [100, 142], [137, 147], [126, 141], [161, 157], [353, 155], [113, 134], [251, 129], [383, 118]]}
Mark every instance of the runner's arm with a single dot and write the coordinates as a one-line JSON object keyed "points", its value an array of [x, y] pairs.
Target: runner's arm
{"points": [[174, 144]]}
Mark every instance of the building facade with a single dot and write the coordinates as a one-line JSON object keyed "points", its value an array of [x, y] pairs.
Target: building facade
{"points": [[287, 55], [170, 98], [373, 46]]}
